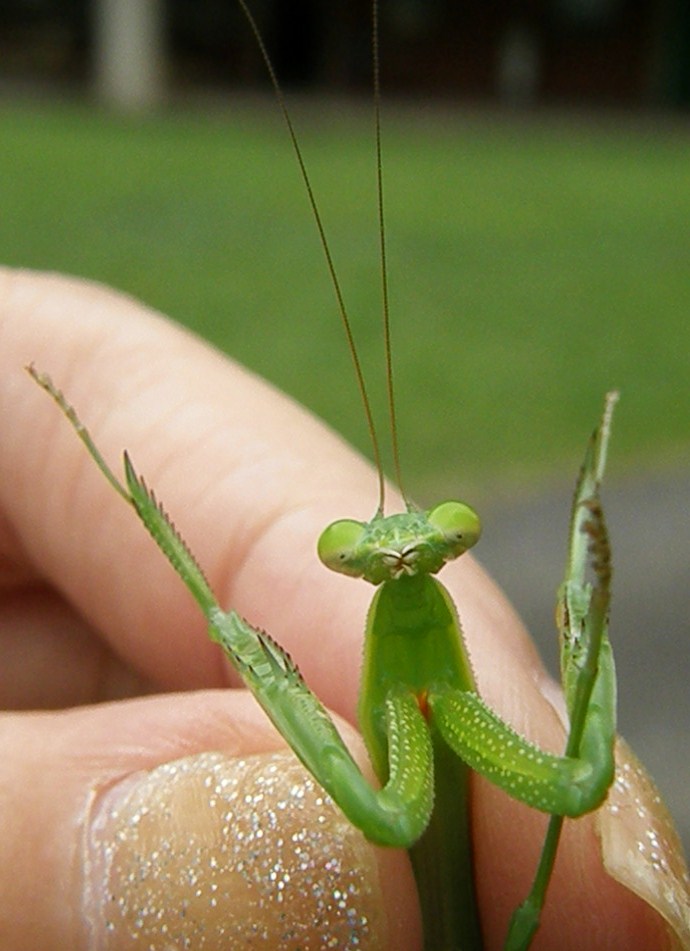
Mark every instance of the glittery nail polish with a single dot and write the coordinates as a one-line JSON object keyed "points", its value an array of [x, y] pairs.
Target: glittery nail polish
{"points": [[640, 845], [213, 852]]}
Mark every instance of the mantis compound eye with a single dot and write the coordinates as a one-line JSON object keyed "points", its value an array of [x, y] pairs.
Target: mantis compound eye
{"points": [[458, 523], [338, 546]]}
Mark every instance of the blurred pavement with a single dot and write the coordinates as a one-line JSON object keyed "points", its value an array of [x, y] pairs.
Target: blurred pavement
{"points": [[523, 547]]}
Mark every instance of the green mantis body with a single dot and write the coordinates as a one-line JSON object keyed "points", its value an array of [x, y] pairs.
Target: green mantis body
{"points": [[423, 721], [420, 714]]}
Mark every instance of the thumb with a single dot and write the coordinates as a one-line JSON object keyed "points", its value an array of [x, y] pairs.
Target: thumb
{"points": [[119, 831]]}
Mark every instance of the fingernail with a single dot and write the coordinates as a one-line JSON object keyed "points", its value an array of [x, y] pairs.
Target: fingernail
{"points": [[213, 852], [640, 846]]}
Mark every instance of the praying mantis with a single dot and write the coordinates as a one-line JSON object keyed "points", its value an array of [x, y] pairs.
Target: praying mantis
{"points": [[423, 721]]}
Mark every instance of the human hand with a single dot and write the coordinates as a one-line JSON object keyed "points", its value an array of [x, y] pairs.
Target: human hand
{"points": [[98, 826]]}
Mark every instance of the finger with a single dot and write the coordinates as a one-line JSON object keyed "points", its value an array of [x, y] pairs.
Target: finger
{"points": [[248, 478], [52, 659], [238, 468], [120, 830]]}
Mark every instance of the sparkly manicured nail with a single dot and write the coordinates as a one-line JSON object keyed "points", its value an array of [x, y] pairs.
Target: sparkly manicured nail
{"points": [[212, 852], [640, 845]]}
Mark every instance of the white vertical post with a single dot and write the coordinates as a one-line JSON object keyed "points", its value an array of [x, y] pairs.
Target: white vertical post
{"points": [[129, 52]]}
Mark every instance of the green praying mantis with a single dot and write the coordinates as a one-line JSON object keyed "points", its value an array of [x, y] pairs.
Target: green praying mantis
{"points": [[423, 721]]}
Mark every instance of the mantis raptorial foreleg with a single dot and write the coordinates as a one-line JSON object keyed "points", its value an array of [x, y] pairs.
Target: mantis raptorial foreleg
{"points": [[587, 668]]}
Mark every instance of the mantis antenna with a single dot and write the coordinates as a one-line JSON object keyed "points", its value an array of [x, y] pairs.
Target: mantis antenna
{"points": [[393, 422], [344, 317]]}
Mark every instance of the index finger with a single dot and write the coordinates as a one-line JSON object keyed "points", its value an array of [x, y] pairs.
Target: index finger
{"points": [[249, 479], [246, 476]]}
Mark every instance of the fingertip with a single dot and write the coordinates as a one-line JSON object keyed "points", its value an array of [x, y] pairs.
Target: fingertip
{"points": [[587, 905], [641, 848], [177, 819], [212, 850]]}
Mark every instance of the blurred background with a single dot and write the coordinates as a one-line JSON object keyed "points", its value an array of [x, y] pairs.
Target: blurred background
{"points": [[597, 51], [537, 172]]}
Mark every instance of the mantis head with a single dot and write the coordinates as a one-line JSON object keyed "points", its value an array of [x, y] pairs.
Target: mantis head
{"points": [[397, 546]]}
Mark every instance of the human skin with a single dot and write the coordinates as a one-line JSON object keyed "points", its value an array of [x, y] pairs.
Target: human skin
{"points": [[99, 635]]}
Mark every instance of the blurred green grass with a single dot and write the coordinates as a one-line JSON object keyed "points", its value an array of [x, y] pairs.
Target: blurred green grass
{"points": [[534, 264]]}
